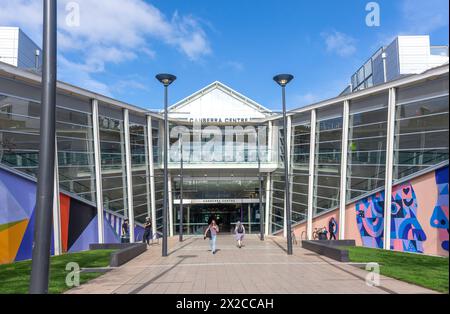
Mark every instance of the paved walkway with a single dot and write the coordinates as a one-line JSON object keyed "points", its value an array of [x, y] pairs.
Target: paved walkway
{"points": [[258, 268]]}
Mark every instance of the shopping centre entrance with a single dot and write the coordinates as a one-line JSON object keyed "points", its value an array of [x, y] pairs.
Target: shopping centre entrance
{"points": [[197, 216]]}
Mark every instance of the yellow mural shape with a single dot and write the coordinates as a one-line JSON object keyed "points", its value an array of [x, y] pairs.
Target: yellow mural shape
{"points": [[10, 239]]}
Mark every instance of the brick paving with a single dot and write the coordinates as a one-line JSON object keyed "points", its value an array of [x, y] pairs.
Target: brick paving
{"points": [[258, 268]]}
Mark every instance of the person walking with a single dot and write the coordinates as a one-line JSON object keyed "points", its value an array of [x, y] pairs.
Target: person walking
{"points": [[148, 234], [211, 233], [125, 231], [332, 229], [239, 232]]}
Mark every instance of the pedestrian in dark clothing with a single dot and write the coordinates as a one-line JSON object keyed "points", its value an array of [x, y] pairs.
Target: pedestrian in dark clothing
{"points": [[148, 233], [125, 231], [331, 229]]}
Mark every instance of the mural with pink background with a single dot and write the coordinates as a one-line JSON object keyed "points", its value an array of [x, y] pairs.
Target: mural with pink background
{"points": [[419, 220]]}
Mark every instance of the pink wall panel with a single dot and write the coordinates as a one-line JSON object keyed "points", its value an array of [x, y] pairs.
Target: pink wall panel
{"points": [[425, 197]]}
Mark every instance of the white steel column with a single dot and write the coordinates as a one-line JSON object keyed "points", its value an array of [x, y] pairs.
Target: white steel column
{"points": [[98, 171], [189, 220], [170, 200], [389, 167], [151, 172], [270, 142], [270, 153], [56, 208], [268, 207], [344, 159], [287, 180], [129, 173], [312, 158], [249, 210]]}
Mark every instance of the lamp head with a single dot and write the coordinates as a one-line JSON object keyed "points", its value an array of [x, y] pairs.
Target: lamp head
{"points": [[283, 79], [166, 79]]}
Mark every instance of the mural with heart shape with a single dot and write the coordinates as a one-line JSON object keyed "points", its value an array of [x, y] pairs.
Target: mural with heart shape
{"points": [[408, 216]]}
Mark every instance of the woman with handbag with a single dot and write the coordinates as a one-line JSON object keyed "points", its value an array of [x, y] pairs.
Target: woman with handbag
{"points": [[211, 233], [239, 233]]}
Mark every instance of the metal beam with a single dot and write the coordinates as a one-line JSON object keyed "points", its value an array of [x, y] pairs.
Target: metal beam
{"points": [[56, 208], [170, 200], [147, 174], [389, 168], [344, 161], [268, 207], [98, 171], [287, 158], [312, 156], [152, 173], [129, 173]]}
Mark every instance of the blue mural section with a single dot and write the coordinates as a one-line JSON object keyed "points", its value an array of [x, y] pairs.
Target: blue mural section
{"points": [[439, 219], [407, 232], [370, 220]]}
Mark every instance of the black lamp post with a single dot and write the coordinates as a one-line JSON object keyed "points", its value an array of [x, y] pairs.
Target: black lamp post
{"points": [[166, 80], [283, 80], [44, 196]]}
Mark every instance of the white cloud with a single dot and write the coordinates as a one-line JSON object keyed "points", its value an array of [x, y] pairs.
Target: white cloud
{"points": [[305, 99], [233, 65], [424, 17], [81, 75], [110, 32], [339, 43]]}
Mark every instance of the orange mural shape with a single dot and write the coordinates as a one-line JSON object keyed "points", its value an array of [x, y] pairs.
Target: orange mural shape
{"points": [[10, 239]]}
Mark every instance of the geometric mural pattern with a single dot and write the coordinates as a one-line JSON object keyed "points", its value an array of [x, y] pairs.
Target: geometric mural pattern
{"points": [[18, 197], [439, 219], [370, 220], [407, 234]]}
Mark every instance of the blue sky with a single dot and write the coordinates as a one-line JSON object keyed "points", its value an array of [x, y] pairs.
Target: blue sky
{"points": [[119, 46]]}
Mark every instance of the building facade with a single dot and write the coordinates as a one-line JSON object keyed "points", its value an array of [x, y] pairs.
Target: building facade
{"points": [[405, 55], [360, 159], [17, 49]]}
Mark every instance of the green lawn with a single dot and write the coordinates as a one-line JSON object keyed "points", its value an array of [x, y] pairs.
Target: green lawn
{"points": [[426, 271], [15, 278]]}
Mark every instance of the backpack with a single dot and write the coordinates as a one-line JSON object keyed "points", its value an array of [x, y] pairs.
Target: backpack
{"points": [[240, 229]]}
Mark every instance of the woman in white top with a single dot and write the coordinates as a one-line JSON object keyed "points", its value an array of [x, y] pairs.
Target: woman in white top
{"points": [[239, 232]]}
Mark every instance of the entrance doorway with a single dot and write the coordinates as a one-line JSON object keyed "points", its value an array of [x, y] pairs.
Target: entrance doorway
{"points": [[226, 215], [198, 216]]}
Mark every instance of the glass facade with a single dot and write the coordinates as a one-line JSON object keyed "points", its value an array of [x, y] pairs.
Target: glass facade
{"points": [[328, 148], [421, 134], [75, 142], [112, 147], [420, 127], [19, 134], [139, 166], [277, 183], [301, 137], [367, 145]]}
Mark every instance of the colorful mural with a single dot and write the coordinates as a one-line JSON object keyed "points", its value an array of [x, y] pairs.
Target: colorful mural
{"points": [[407, 234], [420, 214], [407, 223], [439, 219], [17, 199], [370, 220], [79, 225]]}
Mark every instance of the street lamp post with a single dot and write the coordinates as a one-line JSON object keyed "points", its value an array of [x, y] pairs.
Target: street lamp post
{"points": [[44, 197], [166, 80], [283, 80], [181, 187]]}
